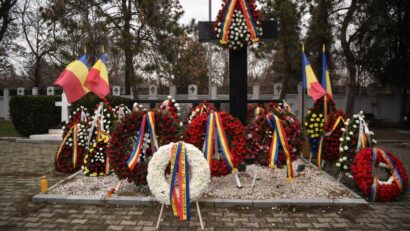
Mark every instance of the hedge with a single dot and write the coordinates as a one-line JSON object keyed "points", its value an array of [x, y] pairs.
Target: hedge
{"points": [[34, 114], [90, 101]]}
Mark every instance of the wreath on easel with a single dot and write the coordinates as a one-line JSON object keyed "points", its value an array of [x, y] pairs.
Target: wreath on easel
{"points": [[73, 147], [131, 138]]}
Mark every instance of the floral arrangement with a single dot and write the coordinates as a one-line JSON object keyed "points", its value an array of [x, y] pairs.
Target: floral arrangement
{"points": [[138, 107], [204, 107], [157, 173], [71, 145], [259, 135], [171, 106], [237, 26], [334, 124], [123, 138], [121, 111], [363, 169], [95, 161], [351, 142], [235, 131], [315, 120]]}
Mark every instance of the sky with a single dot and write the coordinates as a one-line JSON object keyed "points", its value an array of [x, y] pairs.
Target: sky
{"points": [[199, 9]]}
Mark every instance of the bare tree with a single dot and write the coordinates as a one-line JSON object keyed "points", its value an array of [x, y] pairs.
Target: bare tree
{"points": [[5, 15]]}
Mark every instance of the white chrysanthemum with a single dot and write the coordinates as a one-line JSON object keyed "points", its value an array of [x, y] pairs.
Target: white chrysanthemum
{"points": [[361, 112], [337, 164], [348, 138], [345, 167], [346, 147], [341, 139], [341, 149], [351, 133], [354, 126], [340, 159], [355, 116], [374, 141], [343, 129], [345, 158], [200, 174]]}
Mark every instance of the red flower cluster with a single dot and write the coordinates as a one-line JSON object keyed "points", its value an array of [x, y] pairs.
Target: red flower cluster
{"points": [[123, 139], [235, 132], [362, 174], [332, 142], [259, 135], [64, 162], [203, 107]]}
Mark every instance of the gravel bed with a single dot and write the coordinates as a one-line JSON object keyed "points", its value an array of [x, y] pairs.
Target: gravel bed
{"points": [[270, 184]]}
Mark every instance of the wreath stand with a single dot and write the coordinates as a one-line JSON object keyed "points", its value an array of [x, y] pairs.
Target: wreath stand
{"points": [[217, 156], [197, 209]]}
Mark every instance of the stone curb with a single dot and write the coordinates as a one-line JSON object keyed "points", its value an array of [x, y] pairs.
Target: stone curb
{"points": [[150, 201], [27, 140]]}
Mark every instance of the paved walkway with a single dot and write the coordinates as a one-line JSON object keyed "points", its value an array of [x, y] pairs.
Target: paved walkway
{"points": [[22, 165]]}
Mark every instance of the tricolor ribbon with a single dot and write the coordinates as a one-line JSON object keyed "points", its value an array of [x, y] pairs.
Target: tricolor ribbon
{"points": [[279, 135], [180, 201], [393, 171], [60, 149], [148, 118], [322, 138], [215, 127], [227, 20], [75, 145]]}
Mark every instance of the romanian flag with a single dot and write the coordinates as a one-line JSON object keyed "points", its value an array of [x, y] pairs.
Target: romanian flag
{"points": [[315, 90], [97, 80], [73, 78], [325, 74]]}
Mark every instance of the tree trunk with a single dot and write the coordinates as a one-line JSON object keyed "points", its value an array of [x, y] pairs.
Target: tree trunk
{"points": [[403, 106], [285, 79], [350, 59], [36, 80]]}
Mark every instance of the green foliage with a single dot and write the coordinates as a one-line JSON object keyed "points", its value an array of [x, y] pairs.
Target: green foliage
{"points": [[34, 114], [90, 101], [7, 129]]}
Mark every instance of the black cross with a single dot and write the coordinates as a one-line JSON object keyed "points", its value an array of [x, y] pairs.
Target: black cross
{"points": [[192, 89], [152, 90], [238, 67], [20, 91], [50, 91], [116, 90]]}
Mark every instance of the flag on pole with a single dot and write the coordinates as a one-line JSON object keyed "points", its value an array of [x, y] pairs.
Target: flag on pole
{"points": [[73, 78], [314, 89], [97, 80], [325, 74]]}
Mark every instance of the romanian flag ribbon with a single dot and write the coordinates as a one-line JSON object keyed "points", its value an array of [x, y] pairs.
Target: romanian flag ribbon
{"points": [[97, 80], [335, 124], [315, 90], [319, 152], [148, 118], [60, 149], [227, 20], [215, 127], [73, 78], [377, 152], [180, 199], [279, 136]]}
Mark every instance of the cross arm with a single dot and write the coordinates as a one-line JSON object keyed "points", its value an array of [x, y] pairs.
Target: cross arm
{"points": [[206, 33]]}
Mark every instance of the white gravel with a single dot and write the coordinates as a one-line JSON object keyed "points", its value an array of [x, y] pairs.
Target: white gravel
{"points": [[270, 184]]}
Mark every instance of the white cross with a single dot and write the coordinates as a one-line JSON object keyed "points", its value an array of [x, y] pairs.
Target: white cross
{"points": [[64, 107]]}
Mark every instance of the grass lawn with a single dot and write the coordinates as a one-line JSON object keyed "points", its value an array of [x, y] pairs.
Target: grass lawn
{"points": [[7, 129]]}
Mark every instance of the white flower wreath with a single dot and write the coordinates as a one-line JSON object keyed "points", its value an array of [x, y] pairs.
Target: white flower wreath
{"points": [[199, 173]]}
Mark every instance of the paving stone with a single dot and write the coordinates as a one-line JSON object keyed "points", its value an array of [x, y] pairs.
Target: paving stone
{"points": [[115, 227], [79, 221], [321, 225], [303, 225], [125, 222]]}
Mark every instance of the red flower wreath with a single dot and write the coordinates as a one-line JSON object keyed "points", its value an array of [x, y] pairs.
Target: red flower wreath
{"points": [[123, 138], [64, 161], [259, 135], [362, 174], [203, 107], [332, 142], [235, 132]]}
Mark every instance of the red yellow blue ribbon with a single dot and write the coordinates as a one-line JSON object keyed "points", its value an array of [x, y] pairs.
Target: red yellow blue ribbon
{"points": [[60, 149], [215, 127], [275, 122], [319, 153], [227, 20], [180, 201], [208, 148], [250, 21], [148, 118]]}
